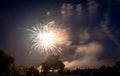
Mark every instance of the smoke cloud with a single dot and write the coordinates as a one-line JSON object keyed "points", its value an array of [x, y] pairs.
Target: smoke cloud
{"points": [[85, 50], [86, 56]]}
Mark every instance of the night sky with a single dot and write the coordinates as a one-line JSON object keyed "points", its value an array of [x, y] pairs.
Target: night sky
{"points": [[94, 29]]}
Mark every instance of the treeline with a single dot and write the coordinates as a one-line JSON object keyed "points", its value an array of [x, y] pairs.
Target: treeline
{"points": [[9, 68], [102, 71]]}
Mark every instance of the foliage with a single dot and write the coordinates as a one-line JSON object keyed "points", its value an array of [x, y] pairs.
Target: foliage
{"points": [[5, 62], [8, 68], [102, 71], [53, 63], [32, 72]]}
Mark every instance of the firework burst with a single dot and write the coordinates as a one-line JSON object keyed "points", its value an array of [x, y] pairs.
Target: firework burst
{"points": [[48, 39]]}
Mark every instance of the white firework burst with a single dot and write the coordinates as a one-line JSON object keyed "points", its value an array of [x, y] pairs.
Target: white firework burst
{"points": [[48, 39]]}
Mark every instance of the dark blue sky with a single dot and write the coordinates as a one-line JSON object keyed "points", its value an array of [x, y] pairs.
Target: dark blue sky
{"points": [[101, 19]]}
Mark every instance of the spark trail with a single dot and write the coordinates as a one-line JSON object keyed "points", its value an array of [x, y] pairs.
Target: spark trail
{"points": [[48, 39]]}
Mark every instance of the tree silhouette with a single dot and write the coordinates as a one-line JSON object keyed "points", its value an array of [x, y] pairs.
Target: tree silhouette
{"points": [[5, 61], [52, 63], [32, 72]]}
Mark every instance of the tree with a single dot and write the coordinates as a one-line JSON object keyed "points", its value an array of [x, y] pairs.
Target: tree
{"points": [[52, 63], [117, 67], [32, 72], [5, 61]]}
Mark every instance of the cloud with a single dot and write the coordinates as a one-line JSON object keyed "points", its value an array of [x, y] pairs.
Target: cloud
{"points": [[91, 48], [108, 31], [66, 10], [86, 56], [98, 33], [69, 9], [48, 13], [79, 9], [84, 35], [85, 48], [63, 10], [85, 63], [92, 7]]}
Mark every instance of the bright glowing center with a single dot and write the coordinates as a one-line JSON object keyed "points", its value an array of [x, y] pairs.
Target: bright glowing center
{"points": [[46, 38]]}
